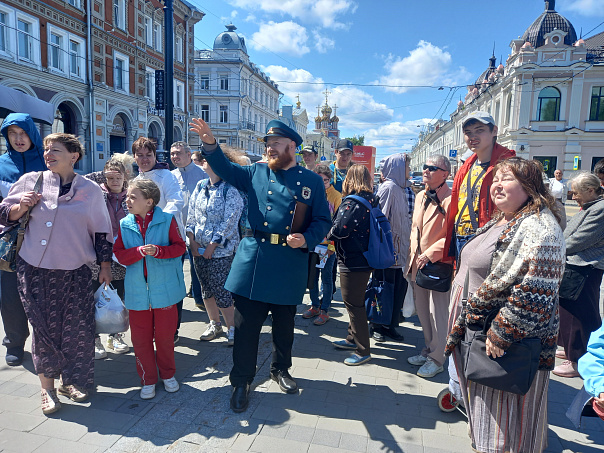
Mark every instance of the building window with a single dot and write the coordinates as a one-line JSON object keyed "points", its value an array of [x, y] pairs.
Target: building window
{"points": [[205, 113], [121, 65], [150, 83], [25, 39], [224, 114], [548, 108], [75, 58], [597, 104], [178, 49], [224, 82], [56, 60], [179, 95], [157, 37], [508, 110], [204, 82], [148, 31], [3, 32], [75, 3], [119, 14]]}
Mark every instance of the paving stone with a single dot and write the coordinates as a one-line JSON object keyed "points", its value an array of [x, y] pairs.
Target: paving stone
{"points": [[353, 442], [265, 444], [19, 404], [327, 438], [100, 439], [300, 433], [20, 422], [19, 441], [279, 431]]}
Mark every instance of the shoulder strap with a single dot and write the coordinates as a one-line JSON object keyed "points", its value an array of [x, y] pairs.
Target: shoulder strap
{"points": [[36, 189], [361, 200]]}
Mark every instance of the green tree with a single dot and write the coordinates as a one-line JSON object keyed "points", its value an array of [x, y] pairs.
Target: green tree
{"points": [[357, 140]]}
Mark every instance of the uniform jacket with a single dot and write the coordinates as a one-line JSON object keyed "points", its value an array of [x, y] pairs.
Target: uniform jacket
{"points": [[584, 235], [523, 281], [486, 206], [61, 230], [165, 284], [591, 365], [14, 164], [428, 232], [262, 271], [171, 200]]}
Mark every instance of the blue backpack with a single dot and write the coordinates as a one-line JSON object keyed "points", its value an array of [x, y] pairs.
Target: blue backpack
{"points": [[380, 252]]}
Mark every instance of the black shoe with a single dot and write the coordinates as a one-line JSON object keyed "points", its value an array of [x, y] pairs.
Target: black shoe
{"points": [[285, 381], [393, 334], [401, 317], [240, 398], [376, 333], [200, 305], [14, 356]]}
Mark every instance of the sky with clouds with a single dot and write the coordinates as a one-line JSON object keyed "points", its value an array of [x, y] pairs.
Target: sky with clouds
{"points": [[391, 66]]}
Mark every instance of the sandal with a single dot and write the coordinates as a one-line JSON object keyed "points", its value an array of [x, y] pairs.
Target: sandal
{"points": [[73, 392], [50, 401]]}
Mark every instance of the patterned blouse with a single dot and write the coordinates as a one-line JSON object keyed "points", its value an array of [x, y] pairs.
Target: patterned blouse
{"points": [[214, 212]]}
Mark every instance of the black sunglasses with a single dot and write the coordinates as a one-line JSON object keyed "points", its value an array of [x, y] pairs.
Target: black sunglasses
{"points": [[433, 168]]}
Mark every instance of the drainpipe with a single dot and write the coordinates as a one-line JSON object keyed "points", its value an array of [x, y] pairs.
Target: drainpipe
{"points": [[91, 121], [186, 46]]}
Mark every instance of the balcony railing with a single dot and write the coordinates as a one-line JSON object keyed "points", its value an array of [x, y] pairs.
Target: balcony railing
{"points": [[250, 126]]}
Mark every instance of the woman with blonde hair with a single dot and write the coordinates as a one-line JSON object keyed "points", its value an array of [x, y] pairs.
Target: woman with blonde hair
{"points": [[350, 233]]}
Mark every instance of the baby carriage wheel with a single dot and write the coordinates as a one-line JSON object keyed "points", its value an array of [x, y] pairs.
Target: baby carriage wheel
{"points": [[446, 401]]}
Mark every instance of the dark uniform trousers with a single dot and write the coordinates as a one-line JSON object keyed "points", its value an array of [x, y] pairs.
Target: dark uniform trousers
{"points": [[13, 313], [249, 318]]}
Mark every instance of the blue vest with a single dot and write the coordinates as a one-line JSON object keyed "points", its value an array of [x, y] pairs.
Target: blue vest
{"points": [[165, 283]]}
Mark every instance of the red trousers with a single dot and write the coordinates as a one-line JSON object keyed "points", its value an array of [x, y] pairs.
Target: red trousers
{"points": [[160, 325]]}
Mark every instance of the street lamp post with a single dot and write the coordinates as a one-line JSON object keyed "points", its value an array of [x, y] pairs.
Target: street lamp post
{"points": [[169, 68]]}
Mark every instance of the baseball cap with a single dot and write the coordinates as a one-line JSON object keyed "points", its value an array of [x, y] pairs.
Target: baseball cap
{"points": [[344, 144], [483, 117], [310, 149]]}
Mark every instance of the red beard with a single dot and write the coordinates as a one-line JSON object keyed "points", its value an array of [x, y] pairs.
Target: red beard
{"points": [[280, 162]]}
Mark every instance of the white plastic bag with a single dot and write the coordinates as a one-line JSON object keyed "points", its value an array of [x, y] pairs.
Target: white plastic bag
{"points": [[409, 303], [110, 314]]}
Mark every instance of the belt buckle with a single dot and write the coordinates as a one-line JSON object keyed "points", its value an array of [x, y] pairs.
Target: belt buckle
{"points": [[274, 239]]}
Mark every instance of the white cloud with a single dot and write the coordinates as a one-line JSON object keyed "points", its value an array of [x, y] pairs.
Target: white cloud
{"points": [[250, 18], [585, 7], [323, 12], [281, 37], [322, 43], [231, 16], [427, 64], [394, 137]]}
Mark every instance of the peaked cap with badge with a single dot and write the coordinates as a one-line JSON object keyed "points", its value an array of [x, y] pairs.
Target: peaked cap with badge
{"points": [[276, 128]]}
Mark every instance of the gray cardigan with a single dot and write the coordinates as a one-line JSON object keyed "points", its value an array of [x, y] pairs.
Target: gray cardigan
{"points": [[584, 236]]}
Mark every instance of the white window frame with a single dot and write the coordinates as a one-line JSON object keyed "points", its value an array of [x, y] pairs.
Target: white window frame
{"points": [[34, 44], [223, 117], [205, 113], [148, 24], [157, 36], [61, 61], [126, 72], [204, 82], [80, 56], [178, 54], [224, 82], [150, 83], [75, 3], [119, 13], [8, 31], [179, 95]]}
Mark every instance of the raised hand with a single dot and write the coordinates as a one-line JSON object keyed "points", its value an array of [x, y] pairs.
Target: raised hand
{"points": [[202, 129]]}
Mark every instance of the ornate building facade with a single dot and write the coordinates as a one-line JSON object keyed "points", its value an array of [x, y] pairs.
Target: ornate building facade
{"points": [[95, 61], [233, 95], [547, 101]]}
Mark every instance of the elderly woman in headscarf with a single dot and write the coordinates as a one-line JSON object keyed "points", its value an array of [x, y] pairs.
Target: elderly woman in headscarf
{"points": [[396, 201]]}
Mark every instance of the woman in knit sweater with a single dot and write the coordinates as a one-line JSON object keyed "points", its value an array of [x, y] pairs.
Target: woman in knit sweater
{"points": [[514, 264]]}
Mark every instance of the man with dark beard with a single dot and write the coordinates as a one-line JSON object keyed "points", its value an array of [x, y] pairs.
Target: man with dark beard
{"points": [[288, 215]]}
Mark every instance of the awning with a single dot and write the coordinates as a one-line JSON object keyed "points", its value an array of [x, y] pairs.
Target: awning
{"points": [[15, 101]]}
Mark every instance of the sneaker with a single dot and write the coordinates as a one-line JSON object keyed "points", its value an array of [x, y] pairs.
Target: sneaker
{"points": [[99, 350], [14, 356], [343, 344], [356, 359], [417, 360], [311, 313], [148, 392], [566, 369], [171, 385], [50, 401], [73, 392], [321, 319], [231, 336], [429, 369], [213, 331], [117, 344]]}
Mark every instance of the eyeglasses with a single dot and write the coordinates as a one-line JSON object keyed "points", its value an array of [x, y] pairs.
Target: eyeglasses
{"points": [[433, 168]]}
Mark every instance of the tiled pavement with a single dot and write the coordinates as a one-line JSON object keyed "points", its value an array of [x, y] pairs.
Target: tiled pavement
{"points": [[378, 407]]}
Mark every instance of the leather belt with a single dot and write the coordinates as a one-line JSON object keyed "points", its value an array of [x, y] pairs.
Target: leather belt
{"points": [[263, 236]]}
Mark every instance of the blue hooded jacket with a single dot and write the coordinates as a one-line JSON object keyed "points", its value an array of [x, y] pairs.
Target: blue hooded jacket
{"points": [[14, 164]]}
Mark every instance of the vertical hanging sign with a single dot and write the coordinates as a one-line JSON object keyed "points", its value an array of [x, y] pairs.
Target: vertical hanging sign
{"points": [[160, 92]]}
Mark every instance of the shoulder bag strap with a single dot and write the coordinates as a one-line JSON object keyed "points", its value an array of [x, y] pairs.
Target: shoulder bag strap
{"points": [[25, 219], [361, 200], [470, 199]]}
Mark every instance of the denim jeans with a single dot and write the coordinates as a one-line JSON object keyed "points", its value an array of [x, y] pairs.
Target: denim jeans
{"points": [[461, 241], [326, 283]]}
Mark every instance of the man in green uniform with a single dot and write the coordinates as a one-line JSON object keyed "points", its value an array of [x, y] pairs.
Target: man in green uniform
{"points": [[288, 215]]}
